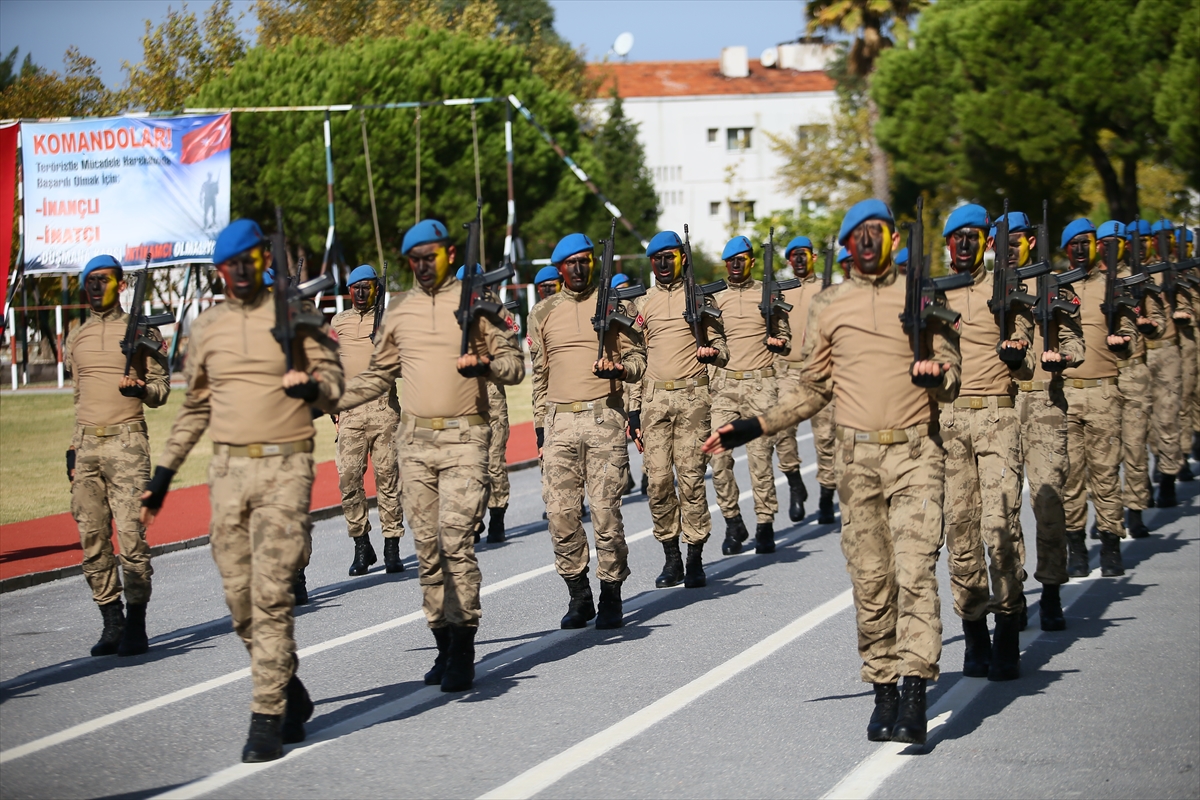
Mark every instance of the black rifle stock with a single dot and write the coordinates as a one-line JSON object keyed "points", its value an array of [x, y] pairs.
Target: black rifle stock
{"points": [[827, 274], [138, 326], [922, 297], [694, 307], [772, 293], [380, 294], [292, 311], [1049, 301], [1008, 290], [608, 299], [474, 299]]}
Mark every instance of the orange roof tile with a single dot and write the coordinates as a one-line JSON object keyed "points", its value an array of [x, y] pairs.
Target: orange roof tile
{"points": [[690, 78]]}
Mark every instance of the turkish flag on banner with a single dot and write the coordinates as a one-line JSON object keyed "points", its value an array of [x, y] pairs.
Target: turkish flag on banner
{"points": [[204, 142], [8, 196]]}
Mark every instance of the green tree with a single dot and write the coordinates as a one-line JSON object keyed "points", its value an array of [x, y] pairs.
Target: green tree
{"points": [[624, 178], [9, 72], [79, 91], [1177, 105]]}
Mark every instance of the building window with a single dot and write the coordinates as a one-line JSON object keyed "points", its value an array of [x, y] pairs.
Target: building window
{"points": [[714, 209], [712, 135], [737, 138], [741, 212]]}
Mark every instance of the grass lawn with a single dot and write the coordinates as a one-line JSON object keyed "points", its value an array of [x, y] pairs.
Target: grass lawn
{"points": [[35, 431]]}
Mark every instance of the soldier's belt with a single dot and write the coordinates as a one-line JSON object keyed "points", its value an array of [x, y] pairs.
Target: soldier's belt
{"points": [[263, 450], [114, 430], [444, 423], [749, 374], [1002, 401], [1090, 383], [683, 383], [1033, 386], [608, 401], [1131, 361], [1154, 344], [881, 437]]}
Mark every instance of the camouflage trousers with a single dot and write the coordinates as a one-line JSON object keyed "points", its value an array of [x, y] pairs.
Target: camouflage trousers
{"points": [[586, 449], [370, 429], [787, 449], [1135, 427], [1043, 417], [742, 399], [1166, 388], [111, 472], [445, 488], [498, 487], [260, 534], [891, 499], [1094, 457], [674, 426], [1189, 385], [983, 508]]}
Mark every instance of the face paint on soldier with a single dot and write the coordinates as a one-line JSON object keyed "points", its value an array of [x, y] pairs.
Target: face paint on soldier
{"points": [[1081, 250], [577, 271], [1019, 245], [362, 295], [431, 263], [102, 289], [800, 258], [966, 248], [243, 274], [1107, 242], [548, 289], [667, 265], [739, 267], [871, 245]]}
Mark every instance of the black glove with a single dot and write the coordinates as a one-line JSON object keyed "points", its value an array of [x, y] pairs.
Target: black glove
{"points": [[306, 391], [480, 370], [70, 463], [158, 487], [541, 436], [609, 374], [635, 422], [744, 430], [133, 391], [1012, 356]]}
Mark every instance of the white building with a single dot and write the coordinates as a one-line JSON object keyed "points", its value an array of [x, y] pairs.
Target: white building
{"points": [[703, 125]]}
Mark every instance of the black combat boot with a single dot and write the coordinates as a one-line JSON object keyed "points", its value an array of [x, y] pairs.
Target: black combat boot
{"points": [[1166, 492], [645, 483], [825, 506], [1095, 536], [672, 573], [113, 630], [299, 711], [1051, 610], [496, 525], [694, 577], [438, 670], [460, 668], [1006, 649], [1137, 528], [364, 555], [910, 724], [265, 742], [1185, 473], [134, 641], [392, 562], [887, 707], [977, 653], [581, 608], [629, 484], [1196, 446], [1077, 555], [300, 588], [735, 534], [1023, 614], [608, 612], [1150, 491], [1111, 564], [477, 534], [764, 538], [799, 494]]}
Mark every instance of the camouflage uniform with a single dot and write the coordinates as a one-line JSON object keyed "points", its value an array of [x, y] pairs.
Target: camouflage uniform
{"points": [[1165, 362], [498, 486], [787, 377], [1134, 377], [1188, 353]]}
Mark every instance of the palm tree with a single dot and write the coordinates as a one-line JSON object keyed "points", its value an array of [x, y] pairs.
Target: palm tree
{"points": [[865, 20]]}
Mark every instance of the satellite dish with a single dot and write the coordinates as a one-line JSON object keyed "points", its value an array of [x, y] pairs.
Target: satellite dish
{"points": [[769, 57], [623, 44]]}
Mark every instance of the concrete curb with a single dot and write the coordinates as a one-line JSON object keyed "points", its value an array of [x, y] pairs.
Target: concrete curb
{"points": [[318, 514]]}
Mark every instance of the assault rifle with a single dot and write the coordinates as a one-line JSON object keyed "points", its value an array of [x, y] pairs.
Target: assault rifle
{"points": [[1168, 286], [772, 291], [608, 299], [474, 298], [293, 312], [922, 298], [1008, 289], [694, 307], [1117, 294], [379, 301], [138, 326], [827, 275], [1183, 264], [1049, 301]]}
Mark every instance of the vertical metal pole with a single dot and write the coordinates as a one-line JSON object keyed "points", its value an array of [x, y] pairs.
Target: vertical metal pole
{"points": [[187, 281], [362, 115], [418, 203], [511, 220], [329, 254], [24, 332], [478, 187], [12, 341], [58, 324]]}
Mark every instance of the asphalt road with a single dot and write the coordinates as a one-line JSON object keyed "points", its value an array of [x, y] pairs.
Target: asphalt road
{"points": [[746, 688]]}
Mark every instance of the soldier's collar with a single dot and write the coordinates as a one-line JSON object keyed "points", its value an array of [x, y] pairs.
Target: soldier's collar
{"points": [[112, 313], [882, 279], [577, 295]]}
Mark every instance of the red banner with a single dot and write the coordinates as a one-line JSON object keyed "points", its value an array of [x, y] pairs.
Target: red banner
{"points": [[207, 141], [8, 199]]}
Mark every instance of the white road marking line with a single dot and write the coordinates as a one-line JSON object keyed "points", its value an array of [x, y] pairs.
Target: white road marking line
{"points": [[401, 705], [549, 772], [865, 779], [91, 726]]}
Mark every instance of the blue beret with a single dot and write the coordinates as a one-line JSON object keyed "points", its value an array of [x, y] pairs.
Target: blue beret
{"points": [[545, 274], [799, 241], [269, 277], [969, 216], [1110, 228], [618, 279], [424, 232], [238, 237], [100, 262], [862, 211], [902, 256], [569, 245], [1081, 225], [843, 255], [364, 273], [1141, 226], [1189, 237], [463, 270], [1017, 221], [1162, 225], [663, 240], [736, 246]]}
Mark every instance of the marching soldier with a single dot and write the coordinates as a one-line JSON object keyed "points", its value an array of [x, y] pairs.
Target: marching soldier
{"points": [[257, 413], [579, 419], [547, 283], [443, 438], [670, 411], [621, 281], [981, 432], [1094, 402], [746, 387], [368, 429], [890, 463], [108, 463], [1181, 313]]}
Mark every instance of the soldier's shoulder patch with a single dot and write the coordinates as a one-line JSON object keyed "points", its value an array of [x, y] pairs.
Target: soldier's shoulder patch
{"points": [[511, 322], [529, 341], [640, 321], [1075, 300], [162, 346], [333, 334]]}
